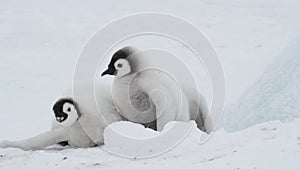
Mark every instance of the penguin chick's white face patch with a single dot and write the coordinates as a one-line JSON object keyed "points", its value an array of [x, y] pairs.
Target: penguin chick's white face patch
{"points": [[65, 112], [71, 111], [122, 67]]}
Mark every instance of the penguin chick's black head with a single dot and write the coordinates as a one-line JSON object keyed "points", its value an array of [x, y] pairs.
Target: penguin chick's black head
{"points": [[63, 107], [120, 54]]}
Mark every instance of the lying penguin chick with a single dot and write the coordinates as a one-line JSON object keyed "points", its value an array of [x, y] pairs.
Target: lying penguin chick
{"points": [[66, 113], [77, 122], [153, 95], [67, 130]]}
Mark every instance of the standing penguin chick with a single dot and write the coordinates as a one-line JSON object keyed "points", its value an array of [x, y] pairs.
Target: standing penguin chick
{"points": [[148, 95]]}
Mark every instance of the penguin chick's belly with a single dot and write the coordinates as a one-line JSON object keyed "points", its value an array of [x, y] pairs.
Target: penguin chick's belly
{"points": [[138, 108], [140, 101]]}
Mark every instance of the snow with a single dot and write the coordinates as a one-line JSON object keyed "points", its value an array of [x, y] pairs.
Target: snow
{"points": [[41, 40], [274, 95], [268, 145], [135, 141]]}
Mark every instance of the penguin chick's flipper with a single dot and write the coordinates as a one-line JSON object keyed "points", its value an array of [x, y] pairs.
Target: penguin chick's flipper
{"points": [[40, 141]]}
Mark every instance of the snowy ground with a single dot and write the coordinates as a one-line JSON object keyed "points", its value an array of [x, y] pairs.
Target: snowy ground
{"points": [[268, 145], [40, 42]]}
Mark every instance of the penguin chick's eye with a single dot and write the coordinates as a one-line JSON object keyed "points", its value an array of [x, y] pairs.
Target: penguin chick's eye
{"points": [[68, 108], [120, 65]]}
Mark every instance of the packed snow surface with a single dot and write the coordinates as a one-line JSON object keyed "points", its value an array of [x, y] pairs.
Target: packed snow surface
{"points": [[268, 145]]}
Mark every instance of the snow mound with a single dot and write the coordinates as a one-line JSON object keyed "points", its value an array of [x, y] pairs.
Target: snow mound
{"points": [[274, 96], [135, 141], [129, 129], [268, 145]]}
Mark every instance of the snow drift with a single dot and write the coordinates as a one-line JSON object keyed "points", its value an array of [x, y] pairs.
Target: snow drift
{"points": [[269, 145], [274, 95]]}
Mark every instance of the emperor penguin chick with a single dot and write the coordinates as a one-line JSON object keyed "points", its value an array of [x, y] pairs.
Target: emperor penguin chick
{"points": [[148, 95]]}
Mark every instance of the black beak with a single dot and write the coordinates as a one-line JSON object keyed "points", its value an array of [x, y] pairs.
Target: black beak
{"points": [[109, 71]]}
